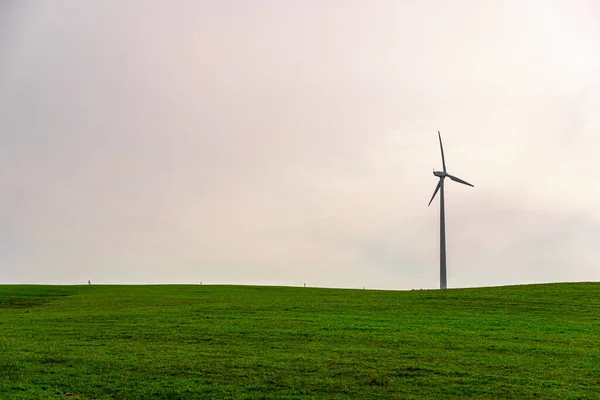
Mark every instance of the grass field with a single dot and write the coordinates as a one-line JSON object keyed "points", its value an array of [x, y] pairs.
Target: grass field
{"points": [[185, 342]]}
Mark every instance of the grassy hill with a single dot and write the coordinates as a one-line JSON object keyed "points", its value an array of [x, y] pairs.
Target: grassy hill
{"points": [[185, 342]]}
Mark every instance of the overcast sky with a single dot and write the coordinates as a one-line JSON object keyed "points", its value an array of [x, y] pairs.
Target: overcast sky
{"points": [[283, 142]]}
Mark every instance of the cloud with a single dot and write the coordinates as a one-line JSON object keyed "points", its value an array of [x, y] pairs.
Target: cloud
{"points": [[285, 143]]}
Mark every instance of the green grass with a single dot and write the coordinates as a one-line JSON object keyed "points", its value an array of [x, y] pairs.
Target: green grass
{"points": [[209, 342]]}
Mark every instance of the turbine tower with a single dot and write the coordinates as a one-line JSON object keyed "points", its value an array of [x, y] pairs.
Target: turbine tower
{"points": [[442, 175]]}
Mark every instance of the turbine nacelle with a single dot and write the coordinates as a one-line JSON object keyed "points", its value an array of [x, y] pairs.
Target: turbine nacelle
{"points": [[441, 174]]}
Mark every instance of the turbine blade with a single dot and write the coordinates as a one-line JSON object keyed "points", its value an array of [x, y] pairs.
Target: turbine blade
{"points": [[455, 179], [437, 188], [442, 148]]}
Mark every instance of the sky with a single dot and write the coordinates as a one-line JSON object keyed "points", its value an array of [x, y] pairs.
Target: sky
{"points": [[276, 142]]}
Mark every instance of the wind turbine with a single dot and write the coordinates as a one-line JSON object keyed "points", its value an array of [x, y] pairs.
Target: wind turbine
{"points": [[442, 175]]}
